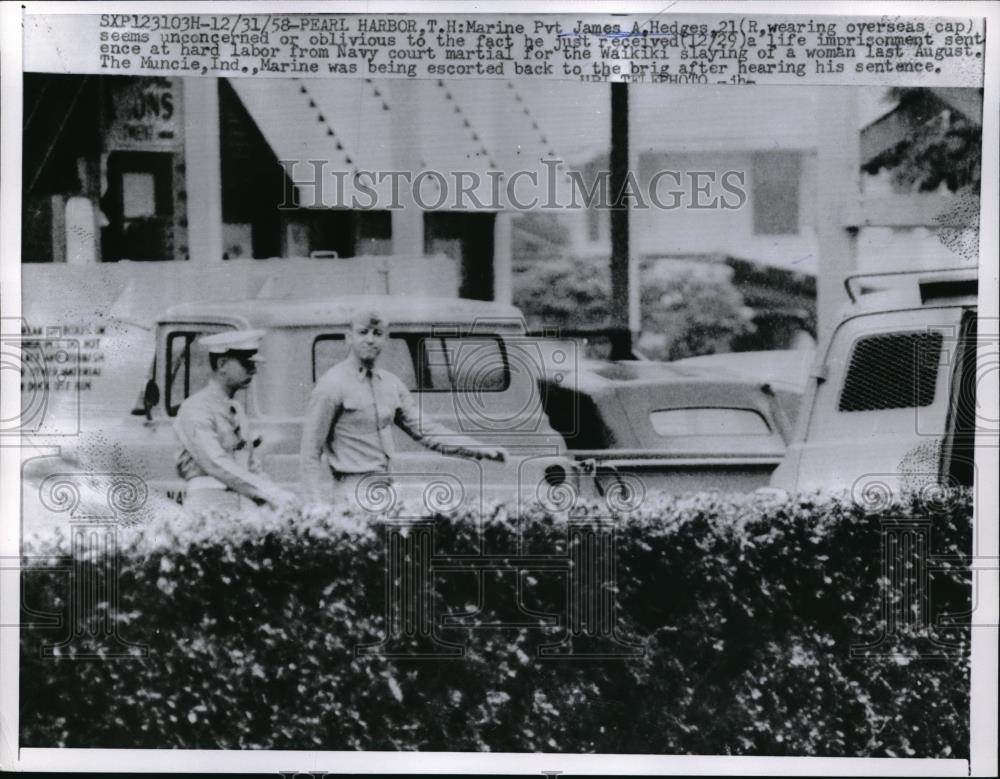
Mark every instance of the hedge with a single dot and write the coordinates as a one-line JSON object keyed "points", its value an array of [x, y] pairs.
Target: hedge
{"points": [[743, 610]]}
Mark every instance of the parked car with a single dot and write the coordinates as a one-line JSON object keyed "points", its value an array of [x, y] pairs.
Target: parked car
{"points": [[672, 427], [469, 365], [891, 403], [786, 371]]}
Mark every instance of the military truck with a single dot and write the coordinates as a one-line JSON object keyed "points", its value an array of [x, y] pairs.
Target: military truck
{"points": [[890, 405], [469, 364]]}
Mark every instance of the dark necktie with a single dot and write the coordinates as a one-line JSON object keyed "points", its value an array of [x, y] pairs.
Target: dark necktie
{"points": [[234, 416]]}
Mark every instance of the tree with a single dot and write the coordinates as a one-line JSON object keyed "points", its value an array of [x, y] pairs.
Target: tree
{"points": [[943, 146], [569, 292], [687, 308]]}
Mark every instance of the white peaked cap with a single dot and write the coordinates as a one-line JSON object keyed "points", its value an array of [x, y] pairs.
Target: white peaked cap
{"points": [[232, 341]]}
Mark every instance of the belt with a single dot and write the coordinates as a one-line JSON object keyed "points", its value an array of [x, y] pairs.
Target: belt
{"points": [[207, 483]]}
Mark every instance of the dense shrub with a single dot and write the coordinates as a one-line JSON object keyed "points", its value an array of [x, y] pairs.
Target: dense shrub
{"points": [[690, 309], [745, 610], [569, 292]]}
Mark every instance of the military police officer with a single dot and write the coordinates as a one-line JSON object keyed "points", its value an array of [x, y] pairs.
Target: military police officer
{"points": [[217, 458]]}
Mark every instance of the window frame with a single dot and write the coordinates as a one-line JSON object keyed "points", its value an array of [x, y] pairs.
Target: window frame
{"points": [[418, 354], [417, 348], [184, 361]]}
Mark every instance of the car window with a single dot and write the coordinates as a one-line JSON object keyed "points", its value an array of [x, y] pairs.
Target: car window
{"points": [[429, 363], [472, 364], [680, 422], [328, 350]]}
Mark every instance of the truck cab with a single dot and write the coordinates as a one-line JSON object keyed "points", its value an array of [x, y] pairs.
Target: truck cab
{"points": [[890, 403]]}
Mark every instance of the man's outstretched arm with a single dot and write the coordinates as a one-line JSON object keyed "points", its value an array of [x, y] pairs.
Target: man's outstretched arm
{"points": [[438, 437]]}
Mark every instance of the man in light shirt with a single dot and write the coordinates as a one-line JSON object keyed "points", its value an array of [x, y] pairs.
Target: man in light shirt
{"points": [[347, 429]]}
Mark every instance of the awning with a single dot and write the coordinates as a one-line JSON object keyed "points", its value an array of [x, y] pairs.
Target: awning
{"points": [[447, 135]]}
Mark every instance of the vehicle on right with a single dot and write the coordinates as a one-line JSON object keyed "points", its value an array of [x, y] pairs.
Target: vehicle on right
{"points": [[890, 405]]}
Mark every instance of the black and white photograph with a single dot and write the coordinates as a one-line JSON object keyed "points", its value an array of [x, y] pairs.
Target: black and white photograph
{"points": [[528, 388]]}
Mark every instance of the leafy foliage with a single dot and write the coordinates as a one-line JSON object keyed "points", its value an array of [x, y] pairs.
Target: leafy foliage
{"points": [[570, 292], [687, 309], [943, 147], [687, 312], [745, 609]]}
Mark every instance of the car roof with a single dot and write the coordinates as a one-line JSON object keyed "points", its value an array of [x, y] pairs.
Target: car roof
{"points": [[896, 290], [597, 376], [399, 309], [622, 406], [776, 366], [691, 369]]}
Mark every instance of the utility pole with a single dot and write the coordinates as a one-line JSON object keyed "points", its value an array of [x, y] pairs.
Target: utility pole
{"points": [[203, 170], [624, 281], [838, 163]]}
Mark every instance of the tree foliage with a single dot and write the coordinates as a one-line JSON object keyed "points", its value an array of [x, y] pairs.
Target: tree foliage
{"points": [[687, 309], [944, 146]]}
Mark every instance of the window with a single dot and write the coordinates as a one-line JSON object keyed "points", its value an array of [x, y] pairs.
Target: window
{"points": [[138, 194], [429, 363], [188, 369], [328, 350], [139, 204], [775, 195], [373, 232], [466, 364], [679, 422], [892, 371]]}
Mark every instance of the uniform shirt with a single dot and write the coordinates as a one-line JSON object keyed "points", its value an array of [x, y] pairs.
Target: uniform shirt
{"points": [[212, 429], [349, 418]]}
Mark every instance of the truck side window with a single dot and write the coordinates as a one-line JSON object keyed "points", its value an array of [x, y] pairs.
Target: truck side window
{"points": [[463, 364], [429, 363], [328, 350], [897, 370]]}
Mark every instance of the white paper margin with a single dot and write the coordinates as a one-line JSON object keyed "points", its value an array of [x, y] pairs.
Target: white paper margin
{"points": [[986, 594]]}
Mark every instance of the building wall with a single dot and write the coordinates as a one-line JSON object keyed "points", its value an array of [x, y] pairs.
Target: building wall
{"points": [[737, 230]]}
